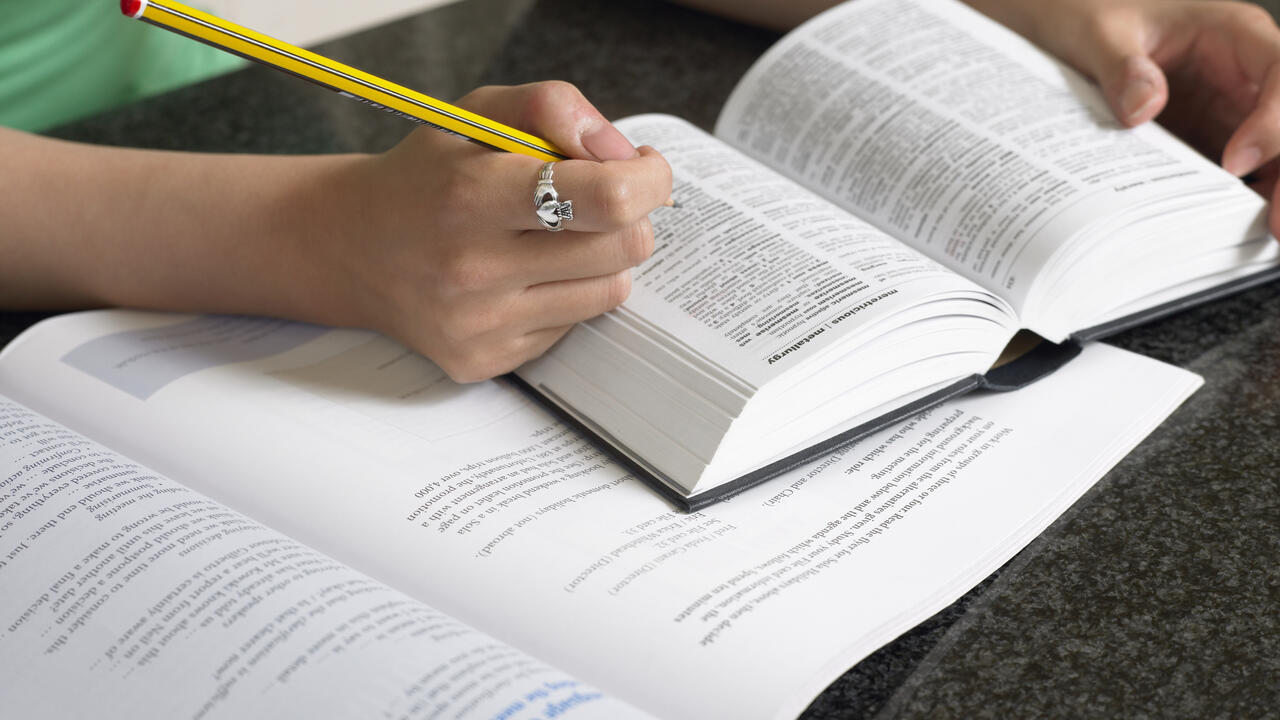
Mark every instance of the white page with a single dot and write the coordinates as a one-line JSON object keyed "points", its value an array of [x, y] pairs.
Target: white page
{"points": [[517, 526], [954, 134], [754, 285], [756, 274], [125, 595]]}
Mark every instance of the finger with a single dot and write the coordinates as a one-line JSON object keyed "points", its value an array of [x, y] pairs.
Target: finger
{"points": [[1251, 33], [536, 343], [1270, 188], [1263, 180], [605, 196], [555, 111], [507, 355], [1135, 87], [546, 313], [1115, 55], [542, 315], [567, 302], [1246, 46], [486, 360], [1257, 140], [545, 258]]}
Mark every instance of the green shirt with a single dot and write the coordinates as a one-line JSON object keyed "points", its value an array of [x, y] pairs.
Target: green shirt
{"points": [[65, 59]]}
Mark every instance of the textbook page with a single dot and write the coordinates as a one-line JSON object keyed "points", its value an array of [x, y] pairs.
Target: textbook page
{"points": [[480, 504], [956, 135], [125, 595]]}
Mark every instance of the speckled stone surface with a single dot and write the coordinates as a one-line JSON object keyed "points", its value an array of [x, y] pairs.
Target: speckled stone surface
{"points": [[1156, 596]]}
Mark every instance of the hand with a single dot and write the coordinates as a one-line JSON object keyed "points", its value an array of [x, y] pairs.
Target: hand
{"points": [[1206, 69], [434, 242], [446, 254]]}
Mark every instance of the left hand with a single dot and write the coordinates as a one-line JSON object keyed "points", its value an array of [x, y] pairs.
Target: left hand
{"points": [[1209, 70]]}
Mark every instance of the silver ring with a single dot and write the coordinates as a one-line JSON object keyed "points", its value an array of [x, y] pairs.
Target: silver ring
{"points": [[552, 213]]}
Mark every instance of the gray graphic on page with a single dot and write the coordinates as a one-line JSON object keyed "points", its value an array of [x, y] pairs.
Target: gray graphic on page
{"points": [[140, 362]]}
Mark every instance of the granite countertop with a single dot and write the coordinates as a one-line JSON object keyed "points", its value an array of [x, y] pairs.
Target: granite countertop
{"points": [[1156, 595]]}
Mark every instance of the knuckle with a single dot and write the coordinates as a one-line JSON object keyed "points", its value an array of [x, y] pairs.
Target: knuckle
{"points": [[550, 96], [615, 200], [555, 91], [1100, 24], [667, 177], [480, 96], [623, 196]]}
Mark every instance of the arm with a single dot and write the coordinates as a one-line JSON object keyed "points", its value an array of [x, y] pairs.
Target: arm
{"points": [[765, 13], [1209, 69], [434, 242]]}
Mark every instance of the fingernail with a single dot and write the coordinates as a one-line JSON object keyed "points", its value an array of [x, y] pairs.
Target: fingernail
{"points": [[1141, 88], [1139, 94], [1243, 162], [606, 143]]}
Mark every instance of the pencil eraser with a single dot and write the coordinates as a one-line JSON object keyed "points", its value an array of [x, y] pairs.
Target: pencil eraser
{"points": [[133, 8]]}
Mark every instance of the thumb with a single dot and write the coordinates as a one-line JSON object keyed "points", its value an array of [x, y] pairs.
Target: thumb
{"points": [[1133, 84], [557, 112]]}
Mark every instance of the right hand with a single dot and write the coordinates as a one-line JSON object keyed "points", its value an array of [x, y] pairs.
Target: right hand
{"points": [[447, 256]]}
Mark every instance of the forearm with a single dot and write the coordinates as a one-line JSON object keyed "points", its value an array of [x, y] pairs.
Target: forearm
{"points": [[90, 226], [1017, 15], [765, 13], [1020, 15], [1061, 27]]}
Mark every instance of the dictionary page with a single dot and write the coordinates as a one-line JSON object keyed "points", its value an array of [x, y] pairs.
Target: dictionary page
{"points": [[957, 136], [149, 600], [765, 319], [477, 502], [755, 273]]}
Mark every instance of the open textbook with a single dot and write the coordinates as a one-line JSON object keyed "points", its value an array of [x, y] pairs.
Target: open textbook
{"points": [[211, 517], [892, 192]]}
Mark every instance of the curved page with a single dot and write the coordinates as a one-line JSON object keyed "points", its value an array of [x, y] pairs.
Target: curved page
{"points": [[481, 505], [955, 135]]}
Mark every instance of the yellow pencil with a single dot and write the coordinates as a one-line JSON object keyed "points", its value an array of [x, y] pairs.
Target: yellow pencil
{"points": [[344, 79]]}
